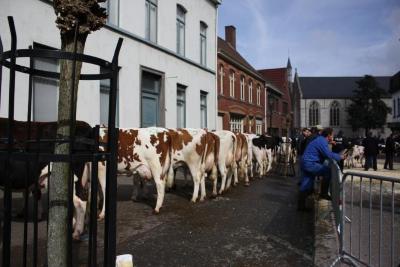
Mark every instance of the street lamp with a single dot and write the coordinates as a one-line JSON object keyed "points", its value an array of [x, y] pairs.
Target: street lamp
{"points": [[270, 104]]}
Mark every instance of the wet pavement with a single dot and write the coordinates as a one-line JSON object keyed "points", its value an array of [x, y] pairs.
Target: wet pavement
{"points": [[247, 226]]}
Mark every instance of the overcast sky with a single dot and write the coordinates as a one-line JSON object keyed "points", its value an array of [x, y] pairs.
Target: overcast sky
{"points": [[323, 37]]}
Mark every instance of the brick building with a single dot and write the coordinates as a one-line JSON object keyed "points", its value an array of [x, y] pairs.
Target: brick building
{"points": [[241, 90], [279, 88]]}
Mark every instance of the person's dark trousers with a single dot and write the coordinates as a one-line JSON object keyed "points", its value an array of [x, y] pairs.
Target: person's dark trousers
{"points": [[370, 161], [374, 162], [389, 161]]}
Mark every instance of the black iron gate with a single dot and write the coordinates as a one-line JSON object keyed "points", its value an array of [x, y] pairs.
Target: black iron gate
{"points": [[26, 147]]}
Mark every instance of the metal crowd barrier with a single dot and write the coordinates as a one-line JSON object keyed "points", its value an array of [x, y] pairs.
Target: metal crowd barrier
{"points": [[367, 218]]}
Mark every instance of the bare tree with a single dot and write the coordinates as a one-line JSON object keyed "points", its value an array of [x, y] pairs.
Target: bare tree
{"points": [[82, 17]]}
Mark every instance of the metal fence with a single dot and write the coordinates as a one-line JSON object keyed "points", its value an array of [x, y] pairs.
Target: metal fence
{"points": [[367, 215], [25, 150]]}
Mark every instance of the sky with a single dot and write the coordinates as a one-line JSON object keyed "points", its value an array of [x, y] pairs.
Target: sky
{"points": [[322, 37]]}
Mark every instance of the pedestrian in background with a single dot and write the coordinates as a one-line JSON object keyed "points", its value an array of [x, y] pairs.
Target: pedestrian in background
{"points": [[370, 151], [312, 165], [338, 147], [389, 152]]}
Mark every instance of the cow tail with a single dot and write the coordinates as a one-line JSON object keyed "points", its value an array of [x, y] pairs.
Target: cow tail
{"points": [[216, 148]]}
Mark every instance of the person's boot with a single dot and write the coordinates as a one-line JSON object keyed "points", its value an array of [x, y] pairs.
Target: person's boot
{"points": [[324, 190]]}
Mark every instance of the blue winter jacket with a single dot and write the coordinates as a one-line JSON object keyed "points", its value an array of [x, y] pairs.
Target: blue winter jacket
{"points": [[318, 150]]}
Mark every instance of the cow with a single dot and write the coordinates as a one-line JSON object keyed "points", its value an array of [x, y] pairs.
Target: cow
{"points": [[355, 156], [250, 165], [80, 205], [226, 159], [189, 149], [262, 150], [143, 153], [40, 131]]}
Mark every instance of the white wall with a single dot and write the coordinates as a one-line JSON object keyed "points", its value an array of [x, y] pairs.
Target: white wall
{"points": [[34, 22]]}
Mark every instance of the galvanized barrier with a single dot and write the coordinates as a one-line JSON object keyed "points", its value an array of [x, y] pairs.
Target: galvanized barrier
{"points": [[367, 218]]}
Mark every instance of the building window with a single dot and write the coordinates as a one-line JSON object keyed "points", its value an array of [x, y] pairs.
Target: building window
{"points": [[285, 107], [45, 90], [242, 97], [232, 83], [394, 108], [203, 44], [258, 95], [151, 20], [221, 79], [236, 123], [258, 126], [112, 10], [251, 92], [181, 106], [150, 102], [398, 107], [314, 114], [334, 114], [105, 88], [180, 30], [203, 109]]}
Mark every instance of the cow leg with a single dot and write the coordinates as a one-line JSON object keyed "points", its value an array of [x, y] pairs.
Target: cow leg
{"points": [[160, 185], [102, 182], [269, 156], [197, 175], [79, 216], [214, 179], [223, 171], [203, 187]]}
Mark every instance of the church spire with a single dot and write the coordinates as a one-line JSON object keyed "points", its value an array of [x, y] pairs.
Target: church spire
{"points": [[289, 65]]}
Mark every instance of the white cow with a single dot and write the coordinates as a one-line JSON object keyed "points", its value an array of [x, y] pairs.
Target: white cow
{"points": [[226, 159], [188, 148], [144, 153]]}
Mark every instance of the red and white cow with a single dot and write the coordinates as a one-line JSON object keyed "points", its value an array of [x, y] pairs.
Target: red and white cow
{"points": [[188, 148], [144, 152], [226, 159], [211, 161]]}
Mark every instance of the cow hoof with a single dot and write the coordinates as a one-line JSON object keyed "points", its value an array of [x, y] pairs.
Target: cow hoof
{"points": [[213, 195], [100, 217], [202, 199], [247, 184]]}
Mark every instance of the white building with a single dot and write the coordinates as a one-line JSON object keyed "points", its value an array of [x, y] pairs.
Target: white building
{"points": [[168, 62], [395, 105], [324, 101]]}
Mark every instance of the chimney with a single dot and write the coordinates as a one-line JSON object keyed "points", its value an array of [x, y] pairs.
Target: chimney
{"points": [[230, 35]]}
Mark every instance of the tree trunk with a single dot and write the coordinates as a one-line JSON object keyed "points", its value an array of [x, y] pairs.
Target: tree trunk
{"points": [[58, 183]]}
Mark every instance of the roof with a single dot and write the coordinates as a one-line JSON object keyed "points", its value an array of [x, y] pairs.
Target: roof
{"points": [[276, 76], [395, 83], [335, 87], [225, 49]]}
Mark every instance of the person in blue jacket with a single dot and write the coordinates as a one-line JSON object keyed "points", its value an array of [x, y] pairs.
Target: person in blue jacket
{"points": [[312, 165]]}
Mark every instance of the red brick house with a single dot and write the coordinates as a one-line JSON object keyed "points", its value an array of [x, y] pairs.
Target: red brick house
{"points": [[241, 89], [279, 88]]}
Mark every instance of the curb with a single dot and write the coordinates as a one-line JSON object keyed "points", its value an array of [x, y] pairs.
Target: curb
{"points": [[326, 242]]}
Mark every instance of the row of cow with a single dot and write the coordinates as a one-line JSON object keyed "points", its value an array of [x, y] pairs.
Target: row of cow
{"points": [[154, 153], [147, 153]]}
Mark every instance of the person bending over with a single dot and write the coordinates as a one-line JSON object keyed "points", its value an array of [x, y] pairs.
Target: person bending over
{"points": [[312, 165]]}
